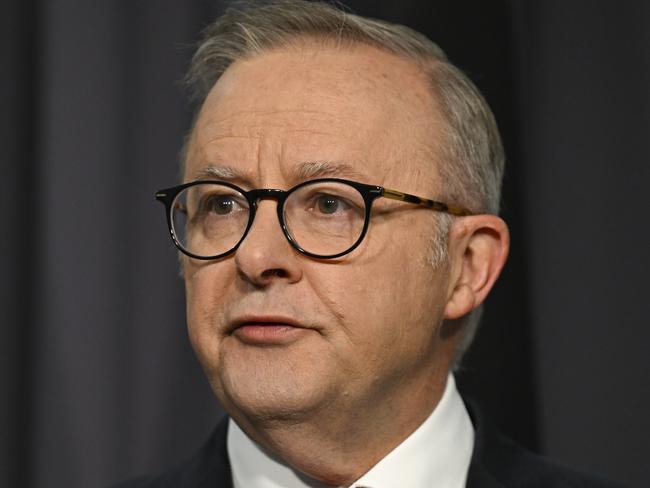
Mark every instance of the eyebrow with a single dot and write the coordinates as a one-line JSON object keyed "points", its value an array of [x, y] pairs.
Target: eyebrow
{"points": [[324, 169], [305, 171], [220, 172]]}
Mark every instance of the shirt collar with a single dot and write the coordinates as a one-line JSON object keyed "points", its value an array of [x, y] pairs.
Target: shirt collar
{"points": [[437, 453]]}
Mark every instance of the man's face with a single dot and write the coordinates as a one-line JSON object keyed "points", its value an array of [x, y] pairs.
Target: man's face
{"points": [[282, 335]]}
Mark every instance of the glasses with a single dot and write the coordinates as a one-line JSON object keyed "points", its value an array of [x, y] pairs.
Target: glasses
{"points": [[323, 218]]}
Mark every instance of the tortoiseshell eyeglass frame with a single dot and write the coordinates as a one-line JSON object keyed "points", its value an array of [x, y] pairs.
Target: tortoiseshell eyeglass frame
{"points": [[369, 194]]}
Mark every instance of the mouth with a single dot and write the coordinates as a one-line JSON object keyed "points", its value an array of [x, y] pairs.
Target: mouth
{"points": [[267, 330]]}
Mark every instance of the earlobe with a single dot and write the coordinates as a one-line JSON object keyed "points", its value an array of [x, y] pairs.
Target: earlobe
{"points": [[462, 302], [478, 248]]}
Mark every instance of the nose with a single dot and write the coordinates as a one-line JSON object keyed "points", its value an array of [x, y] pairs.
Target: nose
{"points": [[265, 256]]}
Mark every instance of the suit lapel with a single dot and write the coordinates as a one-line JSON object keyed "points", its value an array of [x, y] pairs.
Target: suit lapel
{"points": [[482, 468], [479, 477], [212, 466]]}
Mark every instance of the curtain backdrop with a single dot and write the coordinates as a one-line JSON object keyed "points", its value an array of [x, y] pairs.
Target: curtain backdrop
{"points": [[98, 380]]}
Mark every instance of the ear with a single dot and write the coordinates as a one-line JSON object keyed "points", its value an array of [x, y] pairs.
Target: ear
{"points": [[478, 248]]}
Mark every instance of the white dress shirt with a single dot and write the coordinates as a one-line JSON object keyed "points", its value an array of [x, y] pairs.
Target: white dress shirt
{"points": [[437, 454]]}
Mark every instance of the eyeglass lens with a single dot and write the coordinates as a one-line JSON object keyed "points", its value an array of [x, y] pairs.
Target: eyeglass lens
{"points": [[323, 218]]}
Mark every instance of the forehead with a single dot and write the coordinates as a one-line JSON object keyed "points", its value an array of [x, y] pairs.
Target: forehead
{"points": [[359, 106]]}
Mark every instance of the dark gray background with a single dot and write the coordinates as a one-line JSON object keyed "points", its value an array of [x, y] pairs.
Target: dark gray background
{"points": [[98, 380]]}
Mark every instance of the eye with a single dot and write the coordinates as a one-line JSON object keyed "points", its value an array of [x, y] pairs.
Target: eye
{"points": [[221, 205], [329, 204], [326, 201]]}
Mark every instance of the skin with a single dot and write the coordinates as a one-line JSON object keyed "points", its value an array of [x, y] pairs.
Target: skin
{"points": [[374, 332]]}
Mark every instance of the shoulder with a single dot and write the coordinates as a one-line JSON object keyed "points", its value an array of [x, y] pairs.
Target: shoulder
{"points": [[499, 462], [209, 467]]}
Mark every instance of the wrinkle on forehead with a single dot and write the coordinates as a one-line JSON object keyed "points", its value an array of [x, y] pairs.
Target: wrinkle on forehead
{"points": [[277, 109], [306, 170], [254, 123]]}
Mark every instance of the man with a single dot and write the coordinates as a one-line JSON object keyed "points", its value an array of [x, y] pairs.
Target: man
{"points": [[337, 220]]}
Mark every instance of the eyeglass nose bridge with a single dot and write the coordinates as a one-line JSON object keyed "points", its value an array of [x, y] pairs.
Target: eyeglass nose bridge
{"points": [[254, 196]]}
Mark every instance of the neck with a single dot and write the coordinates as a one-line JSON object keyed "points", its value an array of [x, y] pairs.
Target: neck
{"points": [[338, 449]]}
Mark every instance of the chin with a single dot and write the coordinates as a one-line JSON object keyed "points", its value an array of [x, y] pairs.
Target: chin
{"points": [[271, 390]]}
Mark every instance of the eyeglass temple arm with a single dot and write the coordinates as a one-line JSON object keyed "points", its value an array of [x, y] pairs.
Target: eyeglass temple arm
{"points": [[163, 196], [425, 202]]}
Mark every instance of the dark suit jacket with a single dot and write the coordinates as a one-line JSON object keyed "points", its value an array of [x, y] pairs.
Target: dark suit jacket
{"points": [[497, 462]]}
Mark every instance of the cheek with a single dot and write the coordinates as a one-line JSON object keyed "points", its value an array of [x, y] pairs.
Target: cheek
{"points": [[375, 301], [206, 283], [205, 296], [386, 325]]}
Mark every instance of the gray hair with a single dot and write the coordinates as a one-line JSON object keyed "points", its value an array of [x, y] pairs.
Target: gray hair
{"points": [[472, 160]]}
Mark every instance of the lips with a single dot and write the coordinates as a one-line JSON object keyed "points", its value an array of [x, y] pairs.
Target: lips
{"points": [[264, 321], [267, 330]]}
